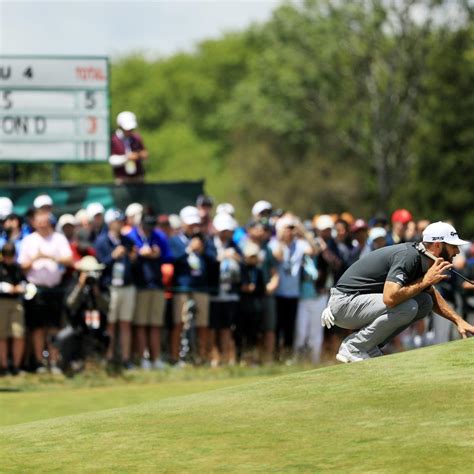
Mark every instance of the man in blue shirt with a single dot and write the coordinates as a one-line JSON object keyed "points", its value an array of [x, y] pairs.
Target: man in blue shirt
{"points": [[118, 254], [149, 316], [193, 254]]}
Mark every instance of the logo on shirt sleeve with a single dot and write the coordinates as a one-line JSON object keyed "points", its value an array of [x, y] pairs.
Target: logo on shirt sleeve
{"points": [[400, 277]]}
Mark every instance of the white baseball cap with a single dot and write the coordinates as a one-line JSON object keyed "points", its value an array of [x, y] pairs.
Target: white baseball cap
{"points": [[94, 208], [134, 209], [113, 215], [89, 264], [377, 233], [189, 215], [81, 215], [127, 120], [442, 232], [225, 208], [284, 222], [251, 249], [261, 206], [42, 200], [324, 222], [6, 207], [175, 221], [64, 220], [224, 222]]}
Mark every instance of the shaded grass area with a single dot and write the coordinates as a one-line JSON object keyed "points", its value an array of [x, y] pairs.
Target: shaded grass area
{"points": [[36, 397], [39, 405], [408, 412]]}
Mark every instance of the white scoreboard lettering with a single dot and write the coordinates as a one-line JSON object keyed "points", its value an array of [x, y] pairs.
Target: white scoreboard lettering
{"points": [[54, 109]]}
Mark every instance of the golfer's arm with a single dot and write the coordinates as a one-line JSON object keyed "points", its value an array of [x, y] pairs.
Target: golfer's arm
{"points": [[394, 294], [441, 307]]}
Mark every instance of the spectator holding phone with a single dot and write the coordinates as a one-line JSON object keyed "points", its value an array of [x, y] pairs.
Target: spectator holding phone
{"points": [[118, 253]]}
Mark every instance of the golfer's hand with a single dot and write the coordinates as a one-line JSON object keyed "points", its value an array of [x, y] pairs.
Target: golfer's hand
{"points": [[465, 328], [437, 272], [327, 318]]}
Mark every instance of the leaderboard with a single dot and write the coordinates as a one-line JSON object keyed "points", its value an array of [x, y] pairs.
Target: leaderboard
{"points": [[54, 109]]}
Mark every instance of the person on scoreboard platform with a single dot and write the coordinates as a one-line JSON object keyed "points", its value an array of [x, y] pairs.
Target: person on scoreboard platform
{"points": [[127, 151]]}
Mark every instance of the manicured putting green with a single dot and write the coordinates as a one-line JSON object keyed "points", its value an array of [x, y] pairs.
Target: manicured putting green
{"points": [[410, 412]]}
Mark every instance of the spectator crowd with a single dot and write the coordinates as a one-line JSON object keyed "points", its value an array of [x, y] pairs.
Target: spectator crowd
{"points": [[135, 289]]}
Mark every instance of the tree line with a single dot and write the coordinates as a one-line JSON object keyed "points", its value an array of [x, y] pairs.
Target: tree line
{"points": [[330, 105]]}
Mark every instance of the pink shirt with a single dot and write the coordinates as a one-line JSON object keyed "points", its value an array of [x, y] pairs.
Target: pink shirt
{"points": [[44, 271]]}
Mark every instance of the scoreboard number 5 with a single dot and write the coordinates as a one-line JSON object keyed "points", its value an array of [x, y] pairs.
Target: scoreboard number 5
{"points": [[91, 101], [6, 102]]}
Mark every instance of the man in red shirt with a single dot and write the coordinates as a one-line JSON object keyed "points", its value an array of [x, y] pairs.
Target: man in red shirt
{"points": [[127, 151]]}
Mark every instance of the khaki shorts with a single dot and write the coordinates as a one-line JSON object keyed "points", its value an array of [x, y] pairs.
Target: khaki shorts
{"points": [[122, 304], [150, 308], [12, 321], [202, 306]]}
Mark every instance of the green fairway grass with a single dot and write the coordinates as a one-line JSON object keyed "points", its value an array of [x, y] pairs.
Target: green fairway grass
{"points": [[33, 397], [410, 412], [38, 405]]}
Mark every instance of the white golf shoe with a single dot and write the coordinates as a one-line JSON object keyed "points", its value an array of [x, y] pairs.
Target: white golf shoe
{"points": [[347, 356]]}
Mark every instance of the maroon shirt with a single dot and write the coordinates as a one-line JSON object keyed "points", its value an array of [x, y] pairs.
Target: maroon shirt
{"points": [[119, 147]]}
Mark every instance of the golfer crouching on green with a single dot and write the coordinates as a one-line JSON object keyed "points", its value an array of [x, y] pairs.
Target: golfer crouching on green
{"points": [[386, 291]]}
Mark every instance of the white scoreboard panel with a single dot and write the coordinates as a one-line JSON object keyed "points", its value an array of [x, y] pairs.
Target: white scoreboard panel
{"points": [[54, 109]]}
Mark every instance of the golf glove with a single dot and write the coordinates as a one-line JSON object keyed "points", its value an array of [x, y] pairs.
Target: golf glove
{"points": [[327, 318]]}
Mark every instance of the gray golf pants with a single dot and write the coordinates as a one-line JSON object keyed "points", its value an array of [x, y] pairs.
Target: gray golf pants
{"points": [[376, 324]]}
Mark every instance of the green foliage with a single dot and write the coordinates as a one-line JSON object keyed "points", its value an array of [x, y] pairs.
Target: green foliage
{"points": [[363, 105], [444, 140]]}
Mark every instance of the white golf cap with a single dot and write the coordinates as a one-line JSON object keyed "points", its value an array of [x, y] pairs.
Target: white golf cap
{"points": [[81, 216], [94, 208], [175, 221], [324, 222], [189, 215], [284, 222], [89, 264], [442, 232], [261, 206], [251, 249], [64, 220], [134, 209], [224, 222], [6, 207], [42, 200], [127, 120], [113, 215], [377, 233], [225, 208]]}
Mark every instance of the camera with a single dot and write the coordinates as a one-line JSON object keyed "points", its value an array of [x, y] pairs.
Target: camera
{"points": [[92, 278]]}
